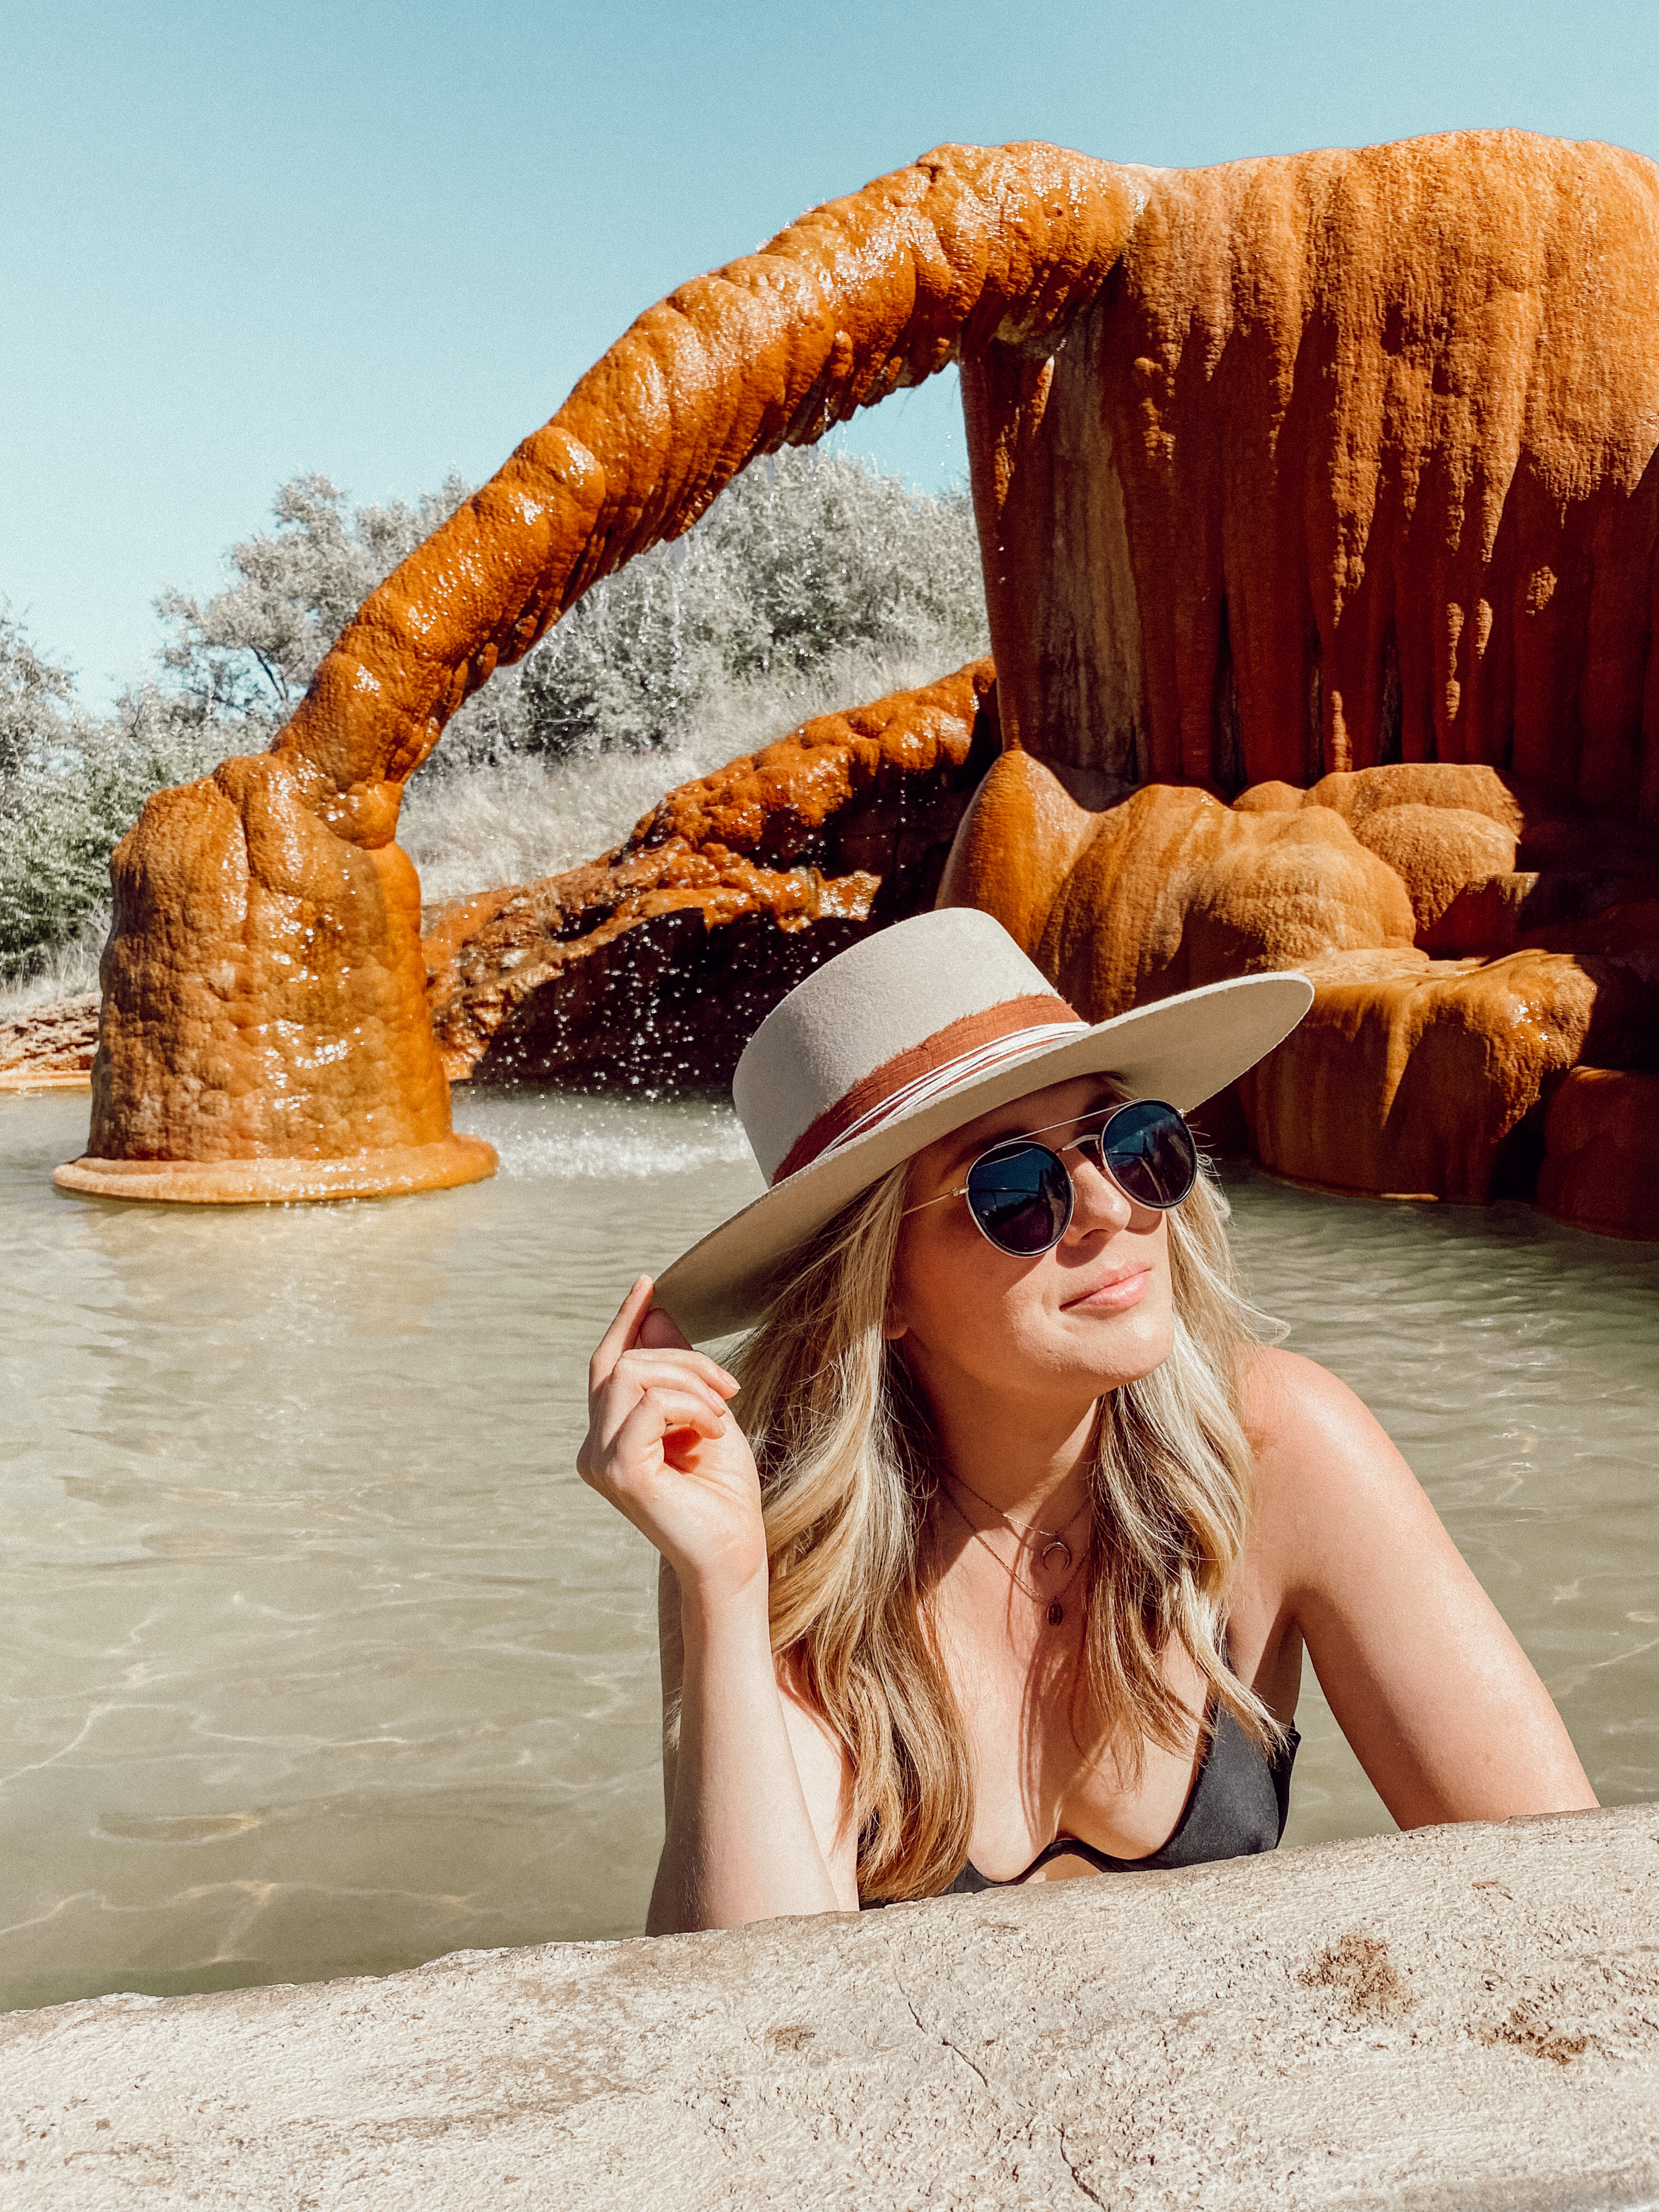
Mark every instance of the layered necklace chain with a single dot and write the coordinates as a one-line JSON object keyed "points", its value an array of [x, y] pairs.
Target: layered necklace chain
{"points": [[1026, 1529], [1056, 1548]]}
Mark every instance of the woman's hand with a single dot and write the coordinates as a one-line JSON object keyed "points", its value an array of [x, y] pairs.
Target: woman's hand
{"points": [[661, 1446], [741, 1842]]}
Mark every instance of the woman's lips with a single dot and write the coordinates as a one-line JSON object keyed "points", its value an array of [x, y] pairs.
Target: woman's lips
{"points": [[1119, 1291]]}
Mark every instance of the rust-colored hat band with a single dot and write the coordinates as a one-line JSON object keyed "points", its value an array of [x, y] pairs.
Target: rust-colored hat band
{"points": [[970, 1046]]}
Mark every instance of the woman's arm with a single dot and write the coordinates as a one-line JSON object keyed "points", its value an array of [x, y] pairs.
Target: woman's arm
{"points": [[820, 1770], [741, 1843], [1436, 1697]]}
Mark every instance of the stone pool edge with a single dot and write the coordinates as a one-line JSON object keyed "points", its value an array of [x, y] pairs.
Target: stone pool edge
{"points": [[1462, 2016]]}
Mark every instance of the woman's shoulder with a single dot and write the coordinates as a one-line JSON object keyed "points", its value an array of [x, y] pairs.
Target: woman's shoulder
{"points": [[1305, 1425], [1282, 1392], [1334, 1497]]}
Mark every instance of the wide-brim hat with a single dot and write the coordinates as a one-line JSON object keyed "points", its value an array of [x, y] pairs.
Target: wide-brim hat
{"points": [[916, 1032]]}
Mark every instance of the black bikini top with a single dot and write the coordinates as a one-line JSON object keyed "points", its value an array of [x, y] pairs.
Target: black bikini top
{"points": [[1237, 1807]]}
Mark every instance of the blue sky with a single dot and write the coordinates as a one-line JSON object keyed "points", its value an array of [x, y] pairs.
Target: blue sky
{"points": [[237, 240]]}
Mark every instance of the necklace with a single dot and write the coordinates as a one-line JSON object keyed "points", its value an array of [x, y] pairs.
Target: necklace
{"points": [[1026, 1529], [1056, 1607]]}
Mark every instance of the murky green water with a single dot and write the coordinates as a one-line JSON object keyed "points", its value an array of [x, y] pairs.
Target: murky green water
{"points": [[318, 1659]]}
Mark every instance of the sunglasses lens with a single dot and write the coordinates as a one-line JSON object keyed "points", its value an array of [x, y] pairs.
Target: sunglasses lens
{"points": [[1021, 1198], [1151, 1155]]}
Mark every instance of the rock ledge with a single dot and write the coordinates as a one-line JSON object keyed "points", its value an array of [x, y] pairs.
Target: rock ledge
{"points": [[1464, 2016]]}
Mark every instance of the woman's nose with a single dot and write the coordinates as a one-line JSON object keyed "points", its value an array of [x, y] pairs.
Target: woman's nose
{"points": [[1096, 1201]]}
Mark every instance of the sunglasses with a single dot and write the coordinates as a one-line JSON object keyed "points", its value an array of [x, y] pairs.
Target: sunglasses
{"points": [[1020, 1192]]}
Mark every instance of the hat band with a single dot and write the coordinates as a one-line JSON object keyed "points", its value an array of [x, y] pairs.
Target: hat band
{"points": [[961, 1050]]}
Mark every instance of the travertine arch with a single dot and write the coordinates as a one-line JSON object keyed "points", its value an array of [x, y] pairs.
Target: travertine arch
{"points": [[967, 248], [1287, 466], [264, 1033]]}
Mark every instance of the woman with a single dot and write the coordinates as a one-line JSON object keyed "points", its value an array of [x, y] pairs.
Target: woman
{"points": [[994, 1556]]}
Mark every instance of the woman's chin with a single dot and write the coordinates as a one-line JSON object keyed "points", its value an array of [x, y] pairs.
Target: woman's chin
{"points": [[1118, 1345]]}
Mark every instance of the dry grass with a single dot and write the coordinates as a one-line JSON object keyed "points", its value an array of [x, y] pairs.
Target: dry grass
{"points": [[64, 972], [473, 827]]}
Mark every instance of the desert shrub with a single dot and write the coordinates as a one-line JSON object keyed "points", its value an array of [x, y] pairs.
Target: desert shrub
{"points": [[806, 556], [71, 785], [246, 655]]}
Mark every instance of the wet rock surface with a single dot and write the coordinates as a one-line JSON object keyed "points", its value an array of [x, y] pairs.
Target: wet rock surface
{"points": [[49, 1045], [1461, 2017], [653, 966]]}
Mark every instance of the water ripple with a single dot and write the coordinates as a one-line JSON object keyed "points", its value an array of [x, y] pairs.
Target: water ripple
{"points": [[320, 1660]]}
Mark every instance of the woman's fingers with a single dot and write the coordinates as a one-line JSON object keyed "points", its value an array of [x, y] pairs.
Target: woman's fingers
{"points": [[644, 1365], [637, 1330], [669, 1409], [640, 1378], [635, 1447], [621, 1332], [647, 1386]]}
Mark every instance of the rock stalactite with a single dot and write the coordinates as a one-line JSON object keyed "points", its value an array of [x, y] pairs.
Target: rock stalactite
{"points": [[1352, 461]]}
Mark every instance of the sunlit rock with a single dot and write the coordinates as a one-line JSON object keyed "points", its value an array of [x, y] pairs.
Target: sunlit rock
{"points": [[1463, 2015], [653, 966], [1318, 504]]}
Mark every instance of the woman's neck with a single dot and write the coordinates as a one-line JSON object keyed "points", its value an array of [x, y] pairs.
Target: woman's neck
{"points": [[1028, 1458]]}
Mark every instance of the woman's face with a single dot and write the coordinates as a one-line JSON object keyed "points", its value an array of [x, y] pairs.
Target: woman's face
{"points": [[1095, 1312]]}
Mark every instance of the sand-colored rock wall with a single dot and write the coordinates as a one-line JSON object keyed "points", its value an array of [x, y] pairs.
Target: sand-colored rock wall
{"points": [[1461, 2018]]}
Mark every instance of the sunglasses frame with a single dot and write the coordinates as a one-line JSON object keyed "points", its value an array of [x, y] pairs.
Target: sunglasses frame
{"points": [[1093, 1144]]}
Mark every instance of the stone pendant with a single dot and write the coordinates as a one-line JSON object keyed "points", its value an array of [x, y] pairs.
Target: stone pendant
{"points": [[1056, 1614]]}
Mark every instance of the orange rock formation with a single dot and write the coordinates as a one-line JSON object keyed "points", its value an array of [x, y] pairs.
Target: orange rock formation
{"points": [[265, 1031], [1351, 462], [1335, 470], [1413, 1075], [723, 898], [50, 1047]]}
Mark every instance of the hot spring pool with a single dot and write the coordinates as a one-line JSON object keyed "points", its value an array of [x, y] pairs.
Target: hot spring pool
{"points": [[319, 1659]]}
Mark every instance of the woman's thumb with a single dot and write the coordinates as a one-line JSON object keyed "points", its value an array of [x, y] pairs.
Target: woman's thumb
{"points": [[659, 1332]]}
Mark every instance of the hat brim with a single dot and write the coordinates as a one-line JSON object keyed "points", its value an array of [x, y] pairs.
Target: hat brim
{"points": [[1182, 1049]]}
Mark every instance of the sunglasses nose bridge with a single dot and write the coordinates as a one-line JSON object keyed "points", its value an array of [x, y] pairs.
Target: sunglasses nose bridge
{"points": [[1093, 1148]]}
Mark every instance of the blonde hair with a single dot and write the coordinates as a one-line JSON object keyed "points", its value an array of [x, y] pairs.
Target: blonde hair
{"points": [[848, 1471]]}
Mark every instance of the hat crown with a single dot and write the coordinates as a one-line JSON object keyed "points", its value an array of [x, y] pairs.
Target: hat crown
{"points": [[884, 997]]}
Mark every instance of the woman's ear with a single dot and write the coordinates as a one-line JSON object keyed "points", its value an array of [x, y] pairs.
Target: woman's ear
{"points": [[893, 1323]]}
